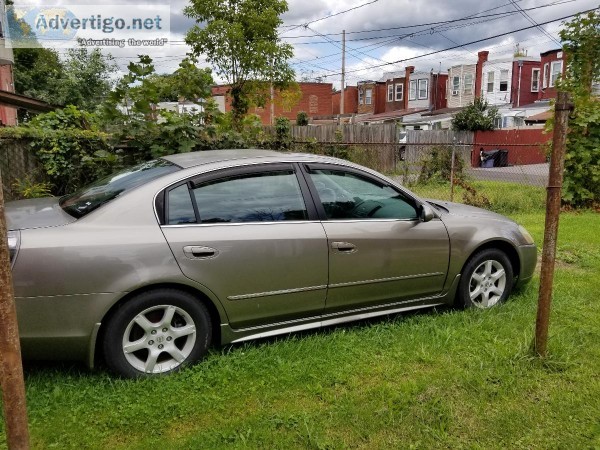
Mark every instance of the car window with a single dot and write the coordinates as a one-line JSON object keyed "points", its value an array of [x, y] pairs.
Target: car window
{"points": [[348, 196], [96, 194], [181, 209], [256, 197]]}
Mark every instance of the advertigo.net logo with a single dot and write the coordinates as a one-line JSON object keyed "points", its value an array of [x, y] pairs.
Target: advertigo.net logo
{"points": [[99, 25]]}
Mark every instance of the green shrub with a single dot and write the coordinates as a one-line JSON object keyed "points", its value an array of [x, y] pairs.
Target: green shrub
{"points": [[438, 165], [302, 118]]}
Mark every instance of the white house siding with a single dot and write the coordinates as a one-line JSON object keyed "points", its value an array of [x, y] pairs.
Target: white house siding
{"points": [[424, 102], [464, 96], [497, 97]]}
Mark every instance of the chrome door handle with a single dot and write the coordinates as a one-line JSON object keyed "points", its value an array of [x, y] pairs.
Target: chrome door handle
{"points": [[345, 247], [197, 252]]}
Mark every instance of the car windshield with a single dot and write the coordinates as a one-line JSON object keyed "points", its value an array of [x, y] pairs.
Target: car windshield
{"points": [[104, 190]]}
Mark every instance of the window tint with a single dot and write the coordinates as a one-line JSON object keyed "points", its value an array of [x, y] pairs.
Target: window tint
{"points": [[256, 197], [94, 195], [347, 196], [181, 209]]}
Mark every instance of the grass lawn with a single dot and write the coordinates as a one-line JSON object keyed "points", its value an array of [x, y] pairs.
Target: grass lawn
{"points": [[451, 379]]}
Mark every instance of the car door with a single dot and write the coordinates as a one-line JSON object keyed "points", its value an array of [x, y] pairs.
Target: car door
{"points": [[247, 235], [379, 249]]}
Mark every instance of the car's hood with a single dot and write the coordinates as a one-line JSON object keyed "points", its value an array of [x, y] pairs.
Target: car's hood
{"points": [[458, 209], [36, 213]]}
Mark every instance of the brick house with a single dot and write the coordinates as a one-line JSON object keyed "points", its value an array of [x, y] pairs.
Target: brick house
{"points": [[552, 66], [395, 87], [371, 97], [315, 101], [511, 81], [8, 115], [350, 101], [426, 90]]}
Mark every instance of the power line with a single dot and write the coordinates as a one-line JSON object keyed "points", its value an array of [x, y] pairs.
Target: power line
{"points": [[533, 22], [331, 15], [468, 43], [433, 29], [503, 14]]}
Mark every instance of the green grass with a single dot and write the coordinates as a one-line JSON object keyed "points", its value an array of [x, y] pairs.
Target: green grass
{"points": [[451, 379], [505, 198]]}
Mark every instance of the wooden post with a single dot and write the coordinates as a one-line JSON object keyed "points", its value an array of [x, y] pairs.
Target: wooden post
{"points": [[11, 368], [557, 165]]}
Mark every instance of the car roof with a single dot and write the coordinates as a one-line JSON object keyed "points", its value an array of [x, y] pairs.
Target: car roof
{"points": [[192, 159]]}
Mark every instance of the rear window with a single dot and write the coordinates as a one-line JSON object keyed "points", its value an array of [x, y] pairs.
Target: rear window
{"points": [[104, 190]]}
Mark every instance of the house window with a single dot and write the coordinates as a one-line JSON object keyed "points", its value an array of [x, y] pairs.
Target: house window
{"points": [[423, 89], [390, 93], [468, 83], [368, 96], [399, 92], [490, 82], [535, 80], [546, 75], [360, 96], [412, 93], [455, 85], [503, 80], [556, 72]]}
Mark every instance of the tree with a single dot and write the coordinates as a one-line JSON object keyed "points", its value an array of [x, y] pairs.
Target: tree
{"points": [[86, 78], [188, 82], [239, 38], [581, 45], [82, 79], [37, 73], [478, 116]]}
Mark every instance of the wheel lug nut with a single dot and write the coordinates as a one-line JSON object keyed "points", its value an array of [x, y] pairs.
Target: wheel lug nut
{"points": [[169, 338], [153, 332], [164, 330], [151, 343], [160, 346]]}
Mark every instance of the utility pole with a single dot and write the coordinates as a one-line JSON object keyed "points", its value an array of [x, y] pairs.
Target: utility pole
{"points": [[343, 72], [557, 166], [11, 367]]}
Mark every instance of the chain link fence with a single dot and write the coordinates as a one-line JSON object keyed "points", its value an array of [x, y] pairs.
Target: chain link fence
{"points": [[496, 179]]}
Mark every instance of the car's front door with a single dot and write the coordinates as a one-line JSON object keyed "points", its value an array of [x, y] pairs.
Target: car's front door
{"points": [[246, 235], [379, 249]]}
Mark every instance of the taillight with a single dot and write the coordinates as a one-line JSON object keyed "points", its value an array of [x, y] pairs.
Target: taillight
{"points": [[14, 239]]}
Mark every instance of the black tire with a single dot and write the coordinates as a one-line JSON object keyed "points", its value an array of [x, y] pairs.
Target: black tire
{"points": [[164, 345], [482, 284]]}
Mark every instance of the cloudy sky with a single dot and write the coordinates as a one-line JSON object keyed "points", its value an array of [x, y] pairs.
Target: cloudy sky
{"points": [[387, 35]]}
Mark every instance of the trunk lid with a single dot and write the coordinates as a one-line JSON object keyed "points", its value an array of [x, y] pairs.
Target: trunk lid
{"points": [[36, 213]]}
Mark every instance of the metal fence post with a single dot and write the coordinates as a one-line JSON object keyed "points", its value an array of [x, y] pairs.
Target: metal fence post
{"points": [[11, 368], [452, 169], [557, 165]]}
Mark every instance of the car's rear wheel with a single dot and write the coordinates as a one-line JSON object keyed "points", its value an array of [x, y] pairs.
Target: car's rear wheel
{"points": [[157, 332], [486, 280]]}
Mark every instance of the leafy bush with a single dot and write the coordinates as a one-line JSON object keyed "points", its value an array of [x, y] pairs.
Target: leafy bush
{"points": [[438, 166], [478, 116], [302, 118], [69, 146], [28, 187]]}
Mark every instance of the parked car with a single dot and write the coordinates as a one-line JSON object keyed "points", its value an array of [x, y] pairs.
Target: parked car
{"points": [[149, 267]]}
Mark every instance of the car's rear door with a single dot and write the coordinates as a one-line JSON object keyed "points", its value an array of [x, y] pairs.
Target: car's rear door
{"points": [[379, 249], [248, 235]]}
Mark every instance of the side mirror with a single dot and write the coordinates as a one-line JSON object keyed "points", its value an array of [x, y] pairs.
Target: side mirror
{"points": [[426, 213]]}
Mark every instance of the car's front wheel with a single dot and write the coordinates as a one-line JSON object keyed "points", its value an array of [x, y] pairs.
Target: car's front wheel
{"points": [[157, 332], [487, 280]]}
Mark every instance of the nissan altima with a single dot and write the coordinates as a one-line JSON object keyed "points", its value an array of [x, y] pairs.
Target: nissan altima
{"points": [[149, 267]]}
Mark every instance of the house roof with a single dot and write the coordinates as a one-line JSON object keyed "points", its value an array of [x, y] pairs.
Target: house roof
{"points": [[541, 117], [23, 101], [437, 112], [388, 115]]}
